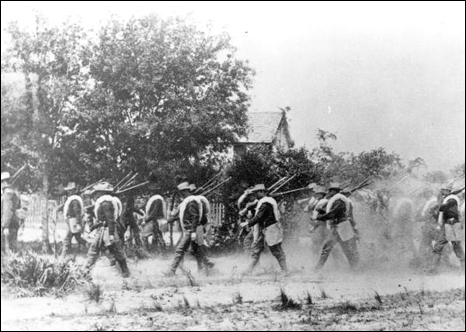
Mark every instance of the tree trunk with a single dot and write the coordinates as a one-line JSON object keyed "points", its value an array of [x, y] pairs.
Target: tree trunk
{"points": [[45, 212]]}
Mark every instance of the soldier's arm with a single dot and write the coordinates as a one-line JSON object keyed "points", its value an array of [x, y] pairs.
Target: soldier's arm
{"points": [[261, 214], [194, 214], [338, 208]]}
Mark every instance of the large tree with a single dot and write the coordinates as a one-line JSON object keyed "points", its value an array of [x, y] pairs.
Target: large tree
{"points": [[166, 97], [34, 117]]}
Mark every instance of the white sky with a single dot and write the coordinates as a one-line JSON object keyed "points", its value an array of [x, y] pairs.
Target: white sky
{"points": [[377, 74]]}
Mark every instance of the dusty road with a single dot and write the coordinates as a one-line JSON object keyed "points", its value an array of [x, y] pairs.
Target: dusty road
{"points": [[332, 300]]}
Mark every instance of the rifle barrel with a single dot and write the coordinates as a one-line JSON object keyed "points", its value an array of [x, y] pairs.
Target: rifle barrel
{"points": [[124, 179], [283, 184]]}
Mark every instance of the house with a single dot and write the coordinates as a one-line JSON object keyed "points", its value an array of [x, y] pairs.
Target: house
{"points": [[265, 128]]}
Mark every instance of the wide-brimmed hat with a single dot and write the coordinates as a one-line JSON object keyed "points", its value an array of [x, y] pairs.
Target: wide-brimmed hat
{"points": [[447, 187], [312, 186], [258, 187], [192, 187], [103, 187], [334, 186], [70, 186], [6, 176], [183, 186], [320, 190]]}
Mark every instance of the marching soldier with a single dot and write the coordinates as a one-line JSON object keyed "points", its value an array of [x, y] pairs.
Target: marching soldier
{"points": [[341, 230], [190, 215], [128, 221], [73, 212], [267, 230], [11, 203], [247, 206], [107, 210], [202, 230], [429, 233], [156, 213], [450, 227]]}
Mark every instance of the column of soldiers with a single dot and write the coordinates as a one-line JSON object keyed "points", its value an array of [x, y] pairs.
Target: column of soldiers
{"points": [[331, 217]]}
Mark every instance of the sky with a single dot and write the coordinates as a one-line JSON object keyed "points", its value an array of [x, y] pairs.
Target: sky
{"points": [[378, 74]]}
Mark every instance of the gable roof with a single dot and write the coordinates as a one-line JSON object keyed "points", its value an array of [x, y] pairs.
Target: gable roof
{"points": [[262, 127]]}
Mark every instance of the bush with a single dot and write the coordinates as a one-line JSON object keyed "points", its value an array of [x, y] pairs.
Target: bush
{"points": [[33, 275]]}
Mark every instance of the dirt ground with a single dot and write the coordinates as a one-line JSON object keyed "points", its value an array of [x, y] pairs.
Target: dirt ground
{"points": [[334, 299]]}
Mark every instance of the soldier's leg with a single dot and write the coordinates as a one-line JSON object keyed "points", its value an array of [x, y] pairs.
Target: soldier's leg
{"points": [[3, 241], [329, 244], [257, 249], [350, 249], [279, 254], [94, 250], [13, 240], [117, 251], [459, 251], [180, 251], [81, 241], [248, 240], [67, 244], [438, 249]]}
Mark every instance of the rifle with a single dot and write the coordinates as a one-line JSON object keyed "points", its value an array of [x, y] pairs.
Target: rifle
{"points": [[15, 177], [290, 192], [277, 183], [215, 188], [132, 188], [128, 183], [209, 183], [456, 192], [283, 184], [117, 187]]}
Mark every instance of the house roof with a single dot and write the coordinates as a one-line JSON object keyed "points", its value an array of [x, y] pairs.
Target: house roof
{"points": [[262, 127]]}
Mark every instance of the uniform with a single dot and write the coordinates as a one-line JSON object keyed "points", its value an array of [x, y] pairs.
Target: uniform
{"points": [[156, 210], [11, 203], [268, 231], [107, 211], [341, 230], [73, 213], [190, 214], [451, 231]]}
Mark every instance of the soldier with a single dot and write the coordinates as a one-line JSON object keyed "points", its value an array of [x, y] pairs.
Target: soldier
{"points": [[357, 237], [128, 221], [11, 203], [428, 215], [341, 230], [107, 210], [202, 230], [267, 230], [190, 215], [450, 228], [247, 208], [156, 214], [73, 213]]}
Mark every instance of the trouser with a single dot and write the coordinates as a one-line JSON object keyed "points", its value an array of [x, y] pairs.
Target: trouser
{"points": [[349, 249], [69, 238], [116, 251], [158, 243], [196, 250], [249, 240], [10, 242], [440, 246], [258, 248], [429, 235]]}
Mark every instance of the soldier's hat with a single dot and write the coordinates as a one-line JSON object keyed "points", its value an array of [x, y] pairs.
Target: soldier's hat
{"points": [[103, 187], [320, 190], [346, 191], [258, 187], [192, 187], [335, 186], [70, 186], [312, 186], [6, 176], [184, 186]]}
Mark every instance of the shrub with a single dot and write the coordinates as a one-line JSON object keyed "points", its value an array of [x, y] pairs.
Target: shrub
{"points": [[33, 275]]}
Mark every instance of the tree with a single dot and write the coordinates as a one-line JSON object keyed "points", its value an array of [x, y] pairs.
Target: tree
{"points": [[49, 60], [166, 97]]}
